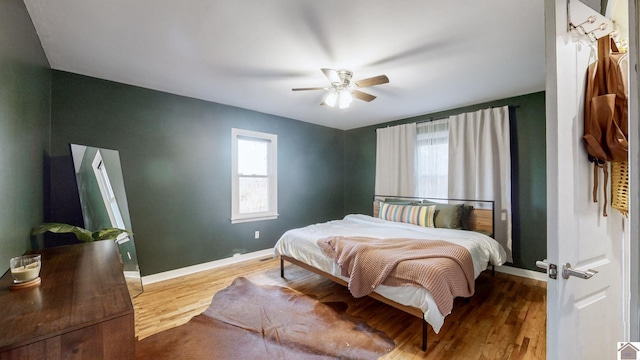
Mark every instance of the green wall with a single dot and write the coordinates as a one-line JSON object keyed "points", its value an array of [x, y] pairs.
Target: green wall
{"points": [[25, 86], [528, 175], [176, 164], [175, 154]]}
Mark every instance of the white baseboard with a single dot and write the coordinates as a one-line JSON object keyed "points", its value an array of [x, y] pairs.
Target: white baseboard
{"points": [[132, 274], [171, 274], [530, 274], [153, 278]]}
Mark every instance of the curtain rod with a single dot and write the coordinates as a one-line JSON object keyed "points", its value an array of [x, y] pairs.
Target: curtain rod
{"points": [[444, 118], [430, 120]]}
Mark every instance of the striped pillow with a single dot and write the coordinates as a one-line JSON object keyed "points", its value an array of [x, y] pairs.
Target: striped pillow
{"points": [[418, 215]]}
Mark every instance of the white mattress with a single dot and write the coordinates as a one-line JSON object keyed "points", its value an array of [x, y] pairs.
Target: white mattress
{"points": [[301, 244]]}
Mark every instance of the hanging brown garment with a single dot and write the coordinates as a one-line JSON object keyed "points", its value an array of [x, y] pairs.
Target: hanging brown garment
{"points": [[605, 112], [617, 83]]}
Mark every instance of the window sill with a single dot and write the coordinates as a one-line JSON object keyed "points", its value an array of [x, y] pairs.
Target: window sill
{"points": [[253, 218]]}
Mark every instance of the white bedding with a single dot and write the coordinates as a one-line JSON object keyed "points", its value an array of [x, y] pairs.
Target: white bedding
{"points": [[301, 244]]}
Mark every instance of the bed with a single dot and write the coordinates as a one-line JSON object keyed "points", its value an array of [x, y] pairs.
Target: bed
{"points": [[305, 246]]}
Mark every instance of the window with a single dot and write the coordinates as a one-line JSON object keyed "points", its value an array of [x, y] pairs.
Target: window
{"points": [[432, 153], [254, 183], [108, 196]]}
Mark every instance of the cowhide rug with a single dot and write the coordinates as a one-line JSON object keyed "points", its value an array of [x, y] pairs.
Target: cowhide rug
{"points": [[249, 321]]}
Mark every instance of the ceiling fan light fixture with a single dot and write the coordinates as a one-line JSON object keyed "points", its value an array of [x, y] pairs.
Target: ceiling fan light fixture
{"points": [[344, 99], [342, 90], [331, 99]]}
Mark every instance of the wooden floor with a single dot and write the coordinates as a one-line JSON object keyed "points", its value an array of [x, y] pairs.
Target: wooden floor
{"points": [[505, 319]]}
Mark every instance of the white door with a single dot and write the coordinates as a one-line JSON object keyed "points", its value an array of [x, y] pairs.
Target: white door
{"points": [[585, 318]]}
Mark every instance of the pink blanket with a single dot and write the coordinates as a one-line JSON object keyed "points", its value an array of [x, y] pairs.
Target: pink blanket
{"points": [[443, 268]]}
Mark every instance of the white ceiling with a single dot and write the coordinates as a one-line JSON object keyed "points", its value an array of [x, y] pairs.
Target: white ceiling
{"points": [[438, 55]]}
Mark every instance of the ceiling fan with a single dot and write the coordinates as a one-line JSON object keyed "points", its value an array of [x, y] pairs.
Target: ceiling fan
{"points": [[343, 90]]}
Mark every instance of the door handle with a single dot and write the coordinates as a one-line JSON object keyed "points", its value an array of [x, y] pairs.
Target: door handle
{"points": [[567, 271]]}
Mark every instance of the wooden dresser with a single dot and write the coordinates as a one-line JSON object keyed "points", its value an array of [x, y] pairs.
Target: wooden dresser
{"points": [[81, 310]]}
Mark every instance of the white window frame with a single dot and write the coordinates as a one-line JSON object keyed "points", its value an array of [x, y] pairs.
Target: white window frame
{"points": [[106, 190], [272, 175]]}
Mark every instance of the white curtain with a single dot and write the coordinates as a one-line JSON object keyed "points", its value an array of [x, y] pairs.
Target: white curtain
{"points": [[395, 160], [480, 164], [432, 158]]}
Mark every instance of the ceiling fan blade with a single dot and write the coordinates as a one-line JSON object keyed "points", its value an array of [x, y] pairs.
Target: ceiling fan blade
{"points": [[362, 95], [376, 80], [332, 75], [309, 88]]}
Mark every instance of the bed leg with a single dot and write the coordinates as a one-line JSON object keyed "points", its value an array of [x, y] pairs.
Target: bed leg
{"points": [[281, 267], [424, 334], [493, 270]]}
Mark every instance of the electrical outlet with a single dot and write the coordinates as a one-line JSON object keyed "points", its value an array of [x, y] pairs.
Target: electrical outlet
{"points": [[257, 234]]}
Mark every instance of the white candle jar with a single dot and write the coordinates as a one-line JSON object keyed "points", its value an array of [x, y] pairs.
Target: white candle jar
{"points": [[25, 268]]}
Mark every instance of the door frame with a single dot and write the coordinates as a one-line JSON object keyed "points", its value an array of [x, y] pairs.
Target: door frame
{"points": [[634, 164]]}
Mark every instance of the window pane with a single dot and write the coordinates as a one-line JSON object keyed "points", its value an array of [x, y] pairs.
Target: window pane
{"points": [[433, 159], [107, 183], [254, 195], [252, 157], [433, 170]]}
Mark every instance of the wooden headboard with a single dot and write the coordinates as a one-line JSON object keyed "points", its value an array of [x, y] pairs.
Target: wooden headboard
{"points": [[480, 218]]}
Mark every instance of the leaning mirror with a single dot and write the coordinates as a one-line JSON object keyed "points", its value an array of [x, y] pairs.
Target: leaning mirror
{"points": [[104, 203]]}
